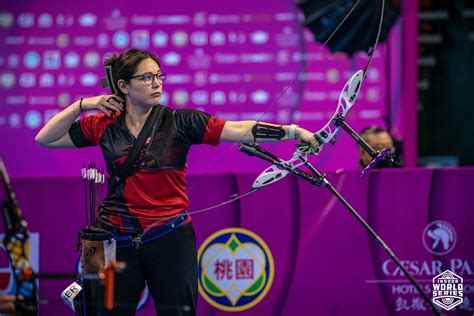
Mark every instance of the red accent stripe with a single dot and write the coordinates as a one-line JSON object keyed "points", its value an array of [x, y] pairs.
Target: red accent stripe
{"points": [[213, 131], [93, 126]]}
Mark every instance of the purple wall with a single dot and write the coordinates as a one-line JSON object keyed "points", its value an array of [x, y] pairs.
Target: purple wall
{"points": [[325, 262]]}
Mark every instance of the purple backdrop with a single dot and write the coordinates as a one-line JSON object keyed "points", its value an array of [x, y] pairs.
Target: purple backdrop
{"points": [[325, 262], [232, 60]]}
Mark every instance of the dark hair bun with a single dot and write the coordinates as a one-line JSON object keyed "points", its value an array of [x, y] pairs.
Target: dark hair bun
{"points": [[111, 60]]}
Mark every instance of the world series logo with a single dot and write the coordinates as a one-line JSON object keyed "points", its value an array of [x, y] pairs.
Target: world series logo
{"points": [[447, 290], [235, 269]]}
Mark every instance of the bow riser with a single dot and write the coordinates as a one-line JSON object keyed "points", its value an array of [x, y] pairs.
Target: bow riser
{"points": [[273, 173]]}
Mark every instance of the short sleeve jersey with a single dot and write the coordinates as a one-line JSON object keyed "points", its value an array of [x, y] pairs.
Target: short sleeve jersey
{"points": [[157, 191]]}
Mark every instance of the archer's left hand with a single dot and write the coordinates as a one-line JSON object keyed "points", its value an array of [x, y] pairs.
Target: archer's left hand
{"points": [[307, 140]]}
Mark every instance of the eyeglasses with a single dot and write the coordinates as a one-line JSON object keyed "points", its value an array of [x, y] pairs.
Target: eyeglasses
{"points": [[148, 78]]}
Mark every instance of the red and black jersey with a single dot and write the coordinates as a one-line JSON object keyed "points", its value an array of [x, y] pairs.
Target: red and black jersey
{"points": [[156, 191]]}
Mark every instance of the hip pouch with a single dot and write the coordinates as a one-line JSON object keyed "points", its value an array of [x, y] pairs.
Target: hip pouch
{"points": [[98, 249]]}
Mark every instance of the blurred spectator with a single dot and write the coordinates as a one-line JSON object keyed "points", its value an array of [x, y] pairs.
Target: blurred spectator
{"points": [[379, 139]]}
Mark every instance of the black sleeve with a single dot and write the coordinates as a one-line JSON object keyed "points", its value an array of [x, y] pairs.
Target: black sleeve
{"points": [[77, 136], [190, 125]]}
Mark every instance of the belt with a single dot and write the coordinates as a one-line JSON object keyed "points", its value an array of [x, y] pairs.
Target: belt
{"points": [[136, 241]]}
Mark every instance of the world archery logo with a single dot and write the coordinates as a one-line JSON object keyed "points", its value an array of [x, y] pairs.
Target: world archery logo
{"points": [[235, 269], [439, 237], [447, 290]]}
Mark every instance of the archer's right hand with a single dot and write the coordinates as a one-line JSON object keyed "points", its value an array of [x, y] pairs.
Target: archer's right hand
{"points": [[104, 103]]}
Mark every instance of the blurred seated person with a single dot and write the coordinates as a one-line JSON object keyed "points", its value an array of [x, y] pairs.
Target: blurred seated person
{"points": [[379, 139]]}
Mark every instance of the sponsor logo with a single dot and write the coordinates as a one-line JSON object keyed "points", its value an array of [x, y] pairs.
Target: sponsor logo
{"points": [[51, 59], [172, 59], [85, 41], [217, 38], [333, 75], [46, 80], [236, 38], [14, 120], [71, 60], [256, 58], [32, 60], [199, 60], [89, 79], [179, 38], [373, 95], [13, 61], [200, 97], [45, 20], [142, 19], [102, 40], [141, 39], [6, 20], [283, 57], [199, 38], [237, 97], [121, 39], [235, 269], [91, 59], [26, 20], [439, 237], [200, 78], [226, 19], [33, 119], [66, 79], [373, 74], [62, 40], [64, 99], [200, 19], [447, 290], [180, 97], [64, 20], [260, 96], [87, 20], [27, 80], [173, 19], [7, 80], [259, 37], [218, 97], [160, 39]]}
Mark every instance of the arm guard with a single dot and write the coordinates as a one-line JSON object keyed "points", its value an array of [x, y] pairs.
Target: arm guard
{"points": [[267, 131]]}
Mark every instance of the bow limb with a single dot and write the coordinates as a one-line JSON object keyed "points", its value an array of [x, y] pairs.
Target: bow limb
{"points": [[328, 133], [347, 98], [16, 243]]}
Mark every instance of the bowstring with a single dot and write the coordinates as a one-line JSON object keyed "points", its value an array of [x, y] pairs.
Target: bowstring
{"points": [[231, 148], [288, 86]]}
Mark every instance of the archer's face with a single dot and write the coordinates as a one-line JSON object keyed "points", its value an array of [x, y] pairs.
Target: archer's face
{"points": [[140, 91]]}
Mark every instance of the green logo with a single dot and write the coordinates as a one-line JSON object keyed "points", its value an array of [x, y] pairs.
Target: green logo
{"points": [[235, 269]]}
